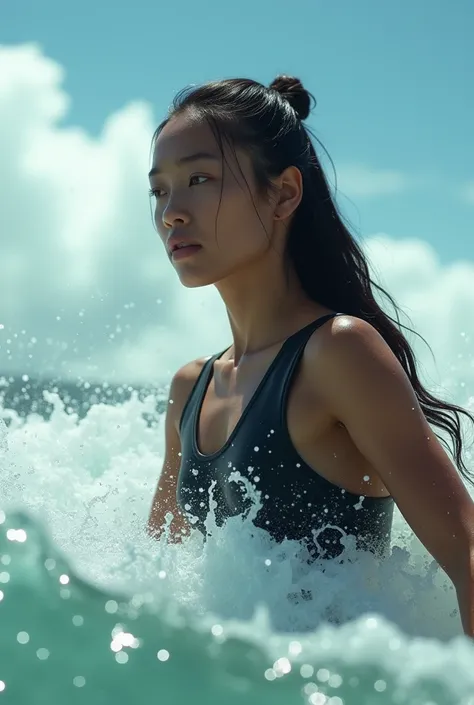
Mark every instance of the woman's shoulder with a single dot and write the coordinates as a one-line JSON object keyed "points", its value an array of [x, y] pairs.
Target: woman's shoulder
{"points": [[186, 377], [344, 330], [181, 386], [350, 358], [347, 347]]}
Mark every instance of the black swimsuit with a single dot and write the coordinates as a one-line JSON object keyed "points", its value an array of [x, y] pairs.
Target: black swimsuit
{"points": [[297, 503]]}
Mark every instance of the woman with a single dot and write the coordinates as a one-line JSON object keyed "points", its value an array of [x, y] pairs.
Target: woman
{"points": [[317, 403]]}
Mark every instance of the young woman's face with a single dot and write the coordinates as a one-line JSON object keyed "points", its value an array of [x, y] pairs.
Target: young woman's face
{"points": [[186, 196]]}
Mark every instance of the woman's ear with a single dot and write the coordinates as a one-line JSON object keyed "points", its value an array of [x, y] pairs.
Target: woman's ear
{"points": [[291, 192]]}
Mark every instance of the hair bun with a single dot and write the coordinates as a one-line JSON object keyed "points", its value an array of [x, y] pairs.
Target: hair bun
{"points": [[294, 92]]}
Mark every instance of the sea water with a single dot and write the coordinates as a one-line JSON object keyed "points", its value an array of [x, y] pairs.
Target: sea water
{"points": [[94, 611]]}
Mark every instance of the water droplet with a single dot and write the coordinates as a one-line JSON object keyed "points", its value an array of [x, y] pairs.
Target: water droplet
{"points": [[323, 675], [282, 667], [306, 670], [17, 535], [295, 648]]}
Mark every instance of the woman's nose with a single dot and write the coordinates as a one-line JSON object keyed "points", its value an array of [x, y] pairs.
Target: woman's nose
{"points": [[174, 213]]}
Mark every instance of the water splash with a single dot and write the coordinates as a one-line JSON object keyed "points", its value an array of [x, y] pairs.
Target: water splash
{"points": [[230, 612]]}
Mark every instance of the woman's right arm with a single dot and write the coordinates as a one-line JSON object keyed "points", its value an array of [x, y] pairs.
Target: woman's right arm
{"points": [[165, 500]]}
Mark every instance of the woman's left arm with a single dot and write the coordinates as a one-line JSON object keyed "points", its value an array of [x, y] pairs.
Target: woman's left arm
{"points": [[368, 391]]}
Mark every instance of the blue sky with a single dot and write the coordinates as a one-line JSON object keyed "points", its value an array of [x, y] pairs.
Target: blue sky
{"points": [[393, 83]]}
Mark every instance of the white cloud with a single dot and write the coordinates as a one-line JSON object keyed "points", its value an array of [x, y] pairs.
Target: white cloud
{"points": [[468, 192], [76, 236], [439, 300], [363, 181], [81, 269]]}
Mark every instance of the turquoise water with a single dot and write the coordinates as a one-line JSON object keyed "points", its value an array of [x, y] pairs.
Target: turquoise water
{"points": [[93, 611]]}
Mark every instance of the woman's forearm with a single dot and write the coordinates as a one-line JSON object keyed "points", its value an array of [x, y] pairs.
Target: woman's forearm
{"points": [[465, 595]]}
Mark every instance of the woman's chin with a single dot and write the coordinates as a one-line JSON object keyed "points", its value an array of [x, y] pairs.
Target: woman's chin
{"points": [[192, 281]]}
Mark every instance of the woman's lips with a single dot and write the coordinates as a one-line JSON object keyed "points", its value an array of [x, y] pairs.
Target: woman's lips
{"points": [[186, 251]]}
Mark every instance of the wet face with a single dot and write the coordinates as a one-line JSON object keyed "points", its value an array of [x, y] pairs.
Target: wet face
{"points": [[209, 202]]}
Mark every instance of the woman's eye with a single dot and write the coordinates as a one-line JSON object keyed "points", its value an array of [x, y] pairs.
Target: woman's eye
{"points": [[198, 176], [156, 191]]}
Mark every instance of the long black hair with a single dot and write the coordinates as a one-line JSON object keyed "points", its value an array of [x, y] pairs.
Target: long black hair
{"points": [[332, 269]]}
